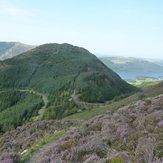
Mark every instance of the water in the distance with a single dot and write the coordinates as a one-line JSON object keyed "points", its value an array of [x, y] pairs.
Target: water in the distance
{"points": [[133, 75]]}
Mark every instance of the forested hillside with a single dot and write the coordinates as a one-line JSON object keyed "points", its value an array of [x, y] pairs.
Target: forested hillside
{"points": [[17, 107], [62, 73], [53, 67]]}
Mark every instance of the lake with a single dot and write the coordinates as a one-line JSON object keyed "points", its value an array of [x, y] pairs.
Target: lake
{"points": [[133, 75]]}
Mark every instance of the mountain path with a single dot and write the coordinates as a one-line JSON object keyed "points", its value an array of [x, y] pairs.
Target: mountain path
{"points": [[44, 98], [35, 157]]}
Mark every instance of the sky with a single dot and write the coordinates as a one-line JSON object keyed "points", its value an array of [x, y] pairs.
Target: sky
{"points": [[104, 27]]}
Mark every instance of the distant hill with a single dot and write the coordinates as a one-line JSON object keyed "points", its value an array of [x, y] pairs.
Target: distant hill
{"points": [[131, 64], [159, 62], [65, 76], [11, 49]]}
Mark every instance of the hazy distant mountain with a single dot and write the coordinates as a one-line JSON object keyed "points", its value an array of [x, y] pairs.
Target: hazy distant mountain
{"points": [[131, 64], [11, 49], [159, 62]]}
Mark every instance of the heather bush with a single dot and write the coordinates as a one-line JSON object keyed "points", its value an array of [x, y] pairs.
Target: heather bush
{"points": [[158, 161], [160, 123], [68, 144], [32, 134], [95, 127], [145, 150], [122, 130], [141, 97], [132, 134], [126, 135], [148, 102], [10, 157], [93, 158]]}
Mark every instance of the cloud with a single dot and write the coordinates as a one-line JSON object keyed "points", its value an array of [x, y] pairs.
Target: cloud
{"points": [[11, 10]]}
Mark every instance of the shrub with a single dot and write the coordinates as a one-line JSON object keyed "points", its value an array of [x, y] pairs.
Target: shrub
{"points": [[10, 157], [117, 160], [148, 102], [141, 97]]}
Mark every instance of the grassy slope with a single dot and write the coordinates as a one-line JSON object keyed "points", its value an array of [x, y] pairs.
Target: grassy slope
{"points": [[129, 134], [143, 82], [102, 134], [149, 91]]}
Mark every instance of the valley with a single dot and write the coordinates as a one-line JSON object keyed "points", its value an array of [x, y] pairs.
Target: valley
{"points": [[136, 71], [81, 81]]}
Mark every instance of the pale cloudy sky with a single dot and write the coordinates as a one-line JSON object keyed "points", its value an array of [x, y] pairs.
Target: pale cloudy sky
{"points": [[109, 27]]}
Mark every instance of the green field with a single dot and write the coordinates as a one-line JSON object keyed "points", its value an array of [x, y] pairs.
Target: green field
{"points": [[143, 82]]}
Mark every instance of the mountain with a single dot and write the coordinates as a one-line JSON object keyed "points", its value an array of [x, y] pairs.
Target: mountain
{"points": [[52, 67], [131, 64], [159, 62], [11, 49], [54, 81]]}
